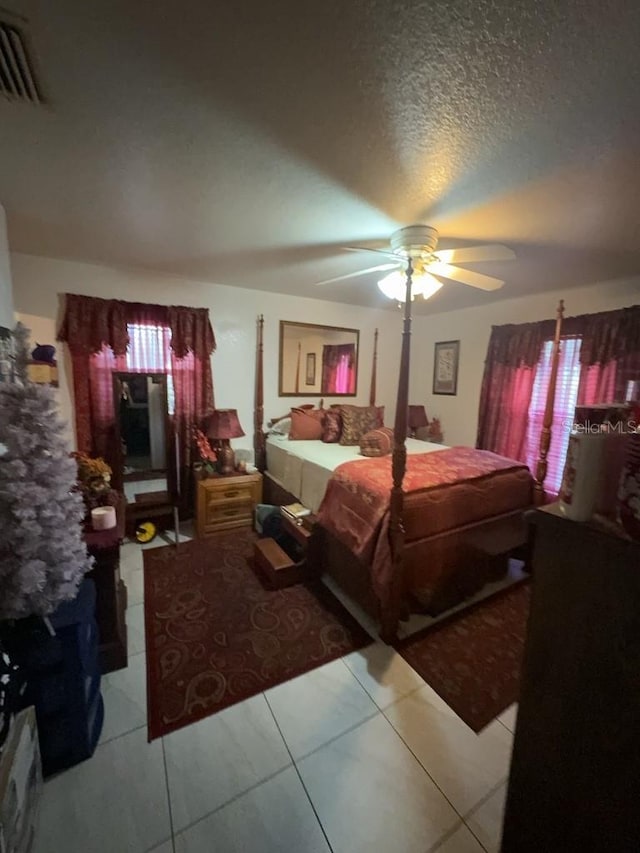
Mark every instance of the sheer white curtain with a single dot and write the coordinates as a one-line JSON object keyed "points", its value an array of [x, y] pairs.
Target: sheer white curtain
{"points": [[149, 352]]}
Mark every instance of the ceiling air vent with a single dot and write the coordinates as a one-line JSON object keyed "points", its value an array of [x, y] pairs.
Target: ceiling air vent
{"points": [[18, 79]]}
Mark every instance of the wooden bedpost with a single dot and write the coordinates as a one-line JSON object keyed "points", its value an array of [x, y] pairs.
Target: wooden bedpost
{"points": [[391, 611], [374, 371], [545, 435], [258, 412]]}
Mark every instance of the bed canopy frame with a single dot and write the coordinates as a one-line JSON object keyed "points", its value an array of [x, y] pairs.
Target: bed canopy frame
{"points": [[399, 454]]}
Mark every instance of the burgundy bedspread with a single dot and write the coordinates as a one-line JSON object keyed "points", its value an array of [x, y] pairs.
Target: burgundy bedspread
{"points": [[444, 490]]}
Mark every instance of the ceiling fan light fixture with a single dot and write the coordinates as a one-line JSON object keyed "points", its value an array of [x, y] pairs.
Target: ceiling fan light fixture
{"points": [[394, 285]]}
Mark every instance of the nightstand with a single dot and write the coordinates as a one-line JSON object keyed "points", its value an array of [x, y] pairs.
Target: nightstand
{"points": [[428, 434], [227, 502]]}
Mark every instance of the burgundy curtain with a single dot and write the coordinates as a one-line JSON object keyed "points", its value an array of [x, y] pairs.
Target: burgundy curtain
{"points": [[338, 374], [89, 322], [99, 410], [610, 355], [107, 335], [507, 386], [193, 385], [603, 359], [598, 384]]}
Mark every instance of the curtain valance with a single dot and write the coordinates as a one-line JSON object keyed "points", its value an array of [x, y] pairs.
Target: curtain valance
{"points": [[606, 335], [518, 345], [90, 322]]}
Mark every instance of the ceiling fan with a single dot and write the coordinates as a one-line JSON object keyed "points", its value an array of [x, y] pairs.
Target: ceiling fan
{"points": [[416, 244]]}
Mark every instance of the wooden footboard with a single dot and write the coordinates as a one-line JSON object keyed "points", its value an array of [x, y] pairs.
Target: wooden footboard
{"points": [[441, 571]]}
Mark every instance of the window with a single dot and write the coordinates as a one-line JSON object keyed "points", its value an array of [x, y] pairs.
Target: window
{"points": [[564, 407], [149, 350]]}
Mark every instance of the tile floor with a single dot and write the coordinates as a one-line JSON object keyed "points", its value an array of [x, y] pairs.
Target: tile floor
{"points": [[358, 755]]}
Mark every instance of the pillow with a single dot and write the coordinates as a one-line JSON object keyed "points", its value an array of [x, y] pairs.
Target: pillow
{"points": [[281, 427], [331, 426], [358, 420], [274, 421], [379, 409], [306, 424], [378, 442]]}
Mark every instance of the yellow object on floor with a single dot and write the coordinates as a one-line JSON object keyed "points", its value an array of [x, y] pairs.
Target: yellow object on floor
{"points": [[146, 531]]}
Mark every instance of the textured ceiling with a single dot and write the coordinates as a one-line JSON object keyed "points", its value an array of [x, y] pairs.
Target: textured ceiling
{"points": [[244, 142]]}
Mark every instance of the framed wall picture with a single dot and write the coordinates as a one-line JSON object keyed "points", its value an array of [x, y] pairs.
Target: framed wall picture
{"points": [[311, 369], [445, 367]]}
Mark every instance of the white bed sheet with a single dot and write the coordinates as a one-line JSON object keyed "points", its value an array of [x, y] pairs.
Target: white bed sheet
{"points": [[303, 468]]}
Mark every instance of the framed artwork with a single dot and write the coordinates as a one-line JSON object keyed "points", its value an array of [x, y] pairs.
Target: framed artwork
{"points": [[311, 369], [445, 367]]}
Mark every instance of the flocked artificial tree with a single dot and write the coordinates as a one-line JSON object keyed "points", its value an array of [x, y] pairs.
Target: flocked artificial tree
{"points": [[43, 556]]}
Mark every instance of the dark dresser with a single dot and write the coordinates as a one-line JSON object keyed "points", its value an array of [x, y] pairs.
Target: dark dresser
{"points": [[574, 783]]}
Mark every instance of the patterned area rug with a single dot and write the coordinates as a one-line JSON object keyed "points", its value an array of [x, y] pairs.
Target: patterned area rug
{"points": [[473, 659], [216, 636]]}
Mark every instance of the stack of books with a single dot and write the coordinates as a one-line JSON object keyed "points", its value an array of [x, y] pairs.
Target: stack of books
{"points": [[295, 512]]}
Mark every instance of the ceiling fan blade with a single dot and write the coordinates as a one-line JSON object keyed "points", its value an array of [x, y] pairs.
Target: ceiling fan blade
{"points": [[386, 252], [355, 274], [473, 279], [475, 254]]}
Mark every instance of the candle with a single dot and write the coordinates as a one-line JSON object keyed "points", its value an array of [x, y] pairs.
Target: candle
{"points": [[103, 518]]}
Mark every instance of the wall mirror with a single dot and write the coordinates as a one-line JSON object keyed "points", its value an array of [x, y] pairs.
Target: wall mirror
{"points": [[317, 360], [146, 466]]}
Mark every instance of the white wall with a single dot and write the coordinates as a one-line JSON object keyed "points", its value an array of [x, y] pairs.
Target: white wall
{"points": [[6, 296], [39, 282], [472, 327]]}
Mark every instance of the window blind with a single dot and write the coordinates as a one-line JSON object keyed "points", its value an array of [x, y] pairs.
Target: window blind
{"points": [[566, 396]]}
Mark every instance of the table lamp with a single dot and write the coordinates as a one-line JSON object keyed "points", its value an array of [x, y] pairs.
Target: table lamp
{"points": [[222, 426], [416, 418]]}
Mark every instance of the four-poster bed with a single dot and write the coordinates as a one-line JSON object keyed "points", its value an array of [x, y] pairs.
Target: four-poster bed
{"points": [[425, 550]]}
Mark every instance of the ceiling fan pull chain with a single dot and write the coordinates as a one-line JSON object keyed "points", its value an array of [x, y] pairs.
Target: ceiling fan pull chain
{"points": [[409, 296]]}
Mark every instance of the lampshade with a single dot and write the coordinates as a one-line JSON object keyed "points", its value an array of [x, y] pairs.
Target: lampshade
{"points": [[224, 424], [394, 285], [417, 417]]}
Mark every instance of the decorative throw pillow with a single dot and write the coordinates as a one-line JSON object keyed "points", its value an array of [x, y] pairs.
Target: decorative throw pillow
{"points": [[331, 426], [378, 442], [358, 420], [379, 411], [274, 421], [306, 424]]}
